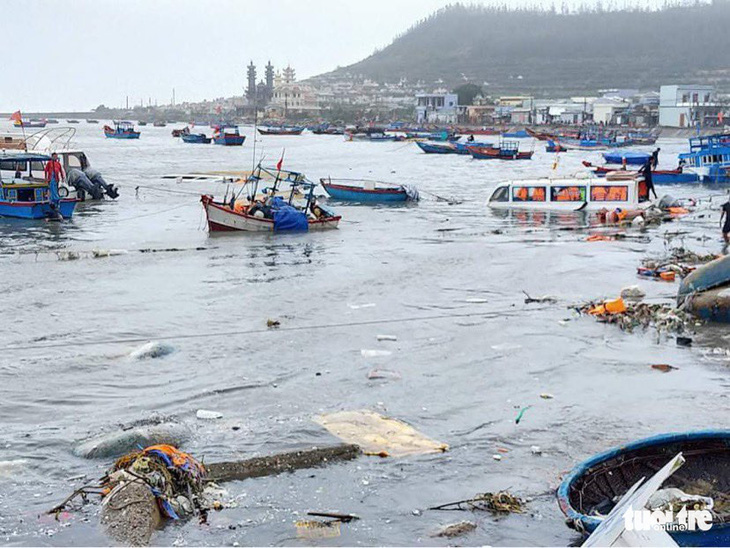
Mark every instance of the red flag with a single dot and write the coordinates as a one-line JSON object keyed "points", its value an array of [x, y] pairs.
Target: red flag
{"points": [[16, 117], [280, 162], [720, 117]]}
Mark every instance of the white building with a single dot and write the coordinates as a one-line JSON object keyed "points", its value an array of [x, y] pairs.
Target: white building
{"points": [[686, 105], [606, 108], [439, 108], [292, 96]]}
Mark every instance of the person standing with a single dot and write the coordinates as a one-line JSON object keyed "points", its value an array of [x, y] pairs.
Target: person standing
{"points": [[655, 159], [725, 221], [54, 175]]}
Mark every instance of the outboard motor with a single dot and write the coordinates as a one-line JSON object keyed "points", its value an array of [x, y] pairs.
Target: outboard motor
{"points": [[94, 176], [78, 179]]}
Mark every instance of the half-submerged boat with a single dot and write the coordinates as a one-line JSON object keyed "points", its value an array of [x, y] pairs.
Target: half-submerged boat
{"points": [[357, 190], [658, 176], [708, 158], [507, 150], [589, 493], [26, 195], [228, 136], [269, 212], [280, 130], [121, 130], [618, 190], [196, 138]]}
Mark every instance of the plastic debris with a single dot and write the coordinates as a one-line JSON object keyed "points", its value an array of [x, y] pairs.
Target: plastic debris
{"points": [[505, 347], [315, 529], [546, 396], [272, 323], [375, 433], [684, 341], [497, 457], [535, 450], [359, 306], [150, 350], [204, 414], [632, 293], [387, 338], [500, 502], [544, 299], [374, 353], [663, 367], [675, 499], [476, 300], [662, 317], [455, 529], [375, 374], [519, 416]]}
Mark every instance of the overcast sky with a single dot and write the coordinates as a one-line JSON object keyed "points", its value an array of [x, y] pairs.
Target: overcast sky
{"points": [[77, 54]]}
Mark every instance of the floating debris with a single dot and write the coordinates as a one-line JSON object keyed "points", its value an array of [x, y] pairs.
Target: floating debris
{"points": [[663, 367], [131, 437], [377, 434], [500, 502], [359, 306], [535, 450], [519, 416], [386, 338], [476, 300], [632, 293], [544, 299], [455, 529], [150, 350], [374, 353], [375, 374], [204, 414], [662, 317], [546, 396], [315, 529], [272, 323]]}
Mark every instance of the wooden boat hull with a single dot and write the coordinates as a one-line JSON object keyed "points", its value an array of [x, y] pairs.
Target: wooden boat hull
{"points": [[709, 276], [494, 153], [658, 177], [349, 193], [587, 485], [282, 131], [199, 138], [223, 219], [230, 140], [712, 305], [35, 210]]}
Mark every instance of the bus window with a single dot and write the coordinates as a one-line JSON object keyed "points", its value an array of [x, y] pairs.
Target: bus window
{"points": [[501, 194], [609, 193], [568, 194], [528, 194]]}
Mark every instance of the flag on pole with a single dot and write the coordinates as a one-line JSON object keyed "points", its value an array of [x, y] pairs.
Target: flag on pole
{"points": [[16, 116], [281, 161]]}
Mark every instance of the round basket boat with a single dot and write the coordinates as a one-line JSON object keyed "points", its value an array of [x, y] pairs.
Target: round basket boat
{"points": [[593, 487]]}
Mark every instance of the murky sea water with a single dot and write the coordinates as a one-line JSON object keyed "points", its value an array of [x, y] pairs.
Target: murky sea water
{"points": [[463, 377]]}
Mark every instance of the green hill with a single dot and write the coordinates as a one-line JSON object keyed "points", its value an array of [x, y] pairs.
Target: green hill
{"points": [[551, 53]]}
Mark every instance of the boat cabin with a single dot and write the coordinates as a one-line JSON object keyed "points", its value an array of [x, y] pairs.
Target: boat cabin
{"points": [[618, 190], [709, 157], [22, 177]]}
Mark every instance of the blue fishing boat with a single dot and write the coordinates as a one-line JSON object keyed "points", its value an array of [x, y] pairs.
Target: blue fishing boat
{"points": [[350, 190], [228, 136], [438, 148], [25, 194], [552, 146], [593, 487], [431, 136], [630, 157], [709, 158], [520, 134], [658, 176], [280, 130], [196, 138], [121, 130]]}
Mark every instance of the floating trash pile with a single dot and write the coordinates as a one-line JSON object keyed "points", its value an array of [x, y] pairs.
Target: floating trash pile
{"points": [[629, 316]]}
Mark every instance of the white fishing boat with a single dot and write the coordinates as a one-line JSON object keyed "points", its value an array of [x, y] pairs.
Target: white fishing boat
{"points": [[625, 190]]}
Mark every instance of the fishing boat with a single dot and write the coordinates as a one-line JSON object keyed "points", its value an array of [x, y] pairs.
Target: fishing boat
{"points": [[507, 150], [196, 138], [628, 157], [90, 121], [271, 212], [325, 129], [519, 134], [591, 490], [280, 130], [617, 190], [32, 123], [658, 176], [228, 136], [180, 131], [430, 147], [12, 141], [72, 121], [431, 136], [141, 123], [51, 121], [369, 134], [708, 158], [26, 195], [121, 130], [552, 146], [159, 123], [358, 190]]}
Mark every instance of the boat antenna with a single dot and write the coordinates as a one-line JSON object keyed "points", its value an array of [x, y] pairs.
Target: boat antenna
{"points": [[255, 129]]}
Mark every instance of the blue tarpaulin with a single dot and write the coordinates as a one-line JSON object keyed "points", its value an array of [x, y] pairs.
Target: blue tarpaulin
{"points": [[632, 158], [288, 218]]}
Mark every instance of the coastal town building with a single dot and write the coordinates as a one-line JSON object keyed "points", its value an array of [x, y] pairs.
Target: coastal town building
{"points": [[292, 97], [437, 108], [687, 105]]}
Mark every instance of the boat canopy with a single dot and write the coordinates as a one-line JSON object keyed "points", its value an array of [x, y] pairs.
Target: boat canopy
{"points": [[24, 157], [631, 156]]}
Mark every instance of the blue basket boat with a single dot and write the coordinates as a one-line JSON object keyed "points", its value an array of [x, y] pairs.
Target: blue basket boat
{"points": [[593, 487]]}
